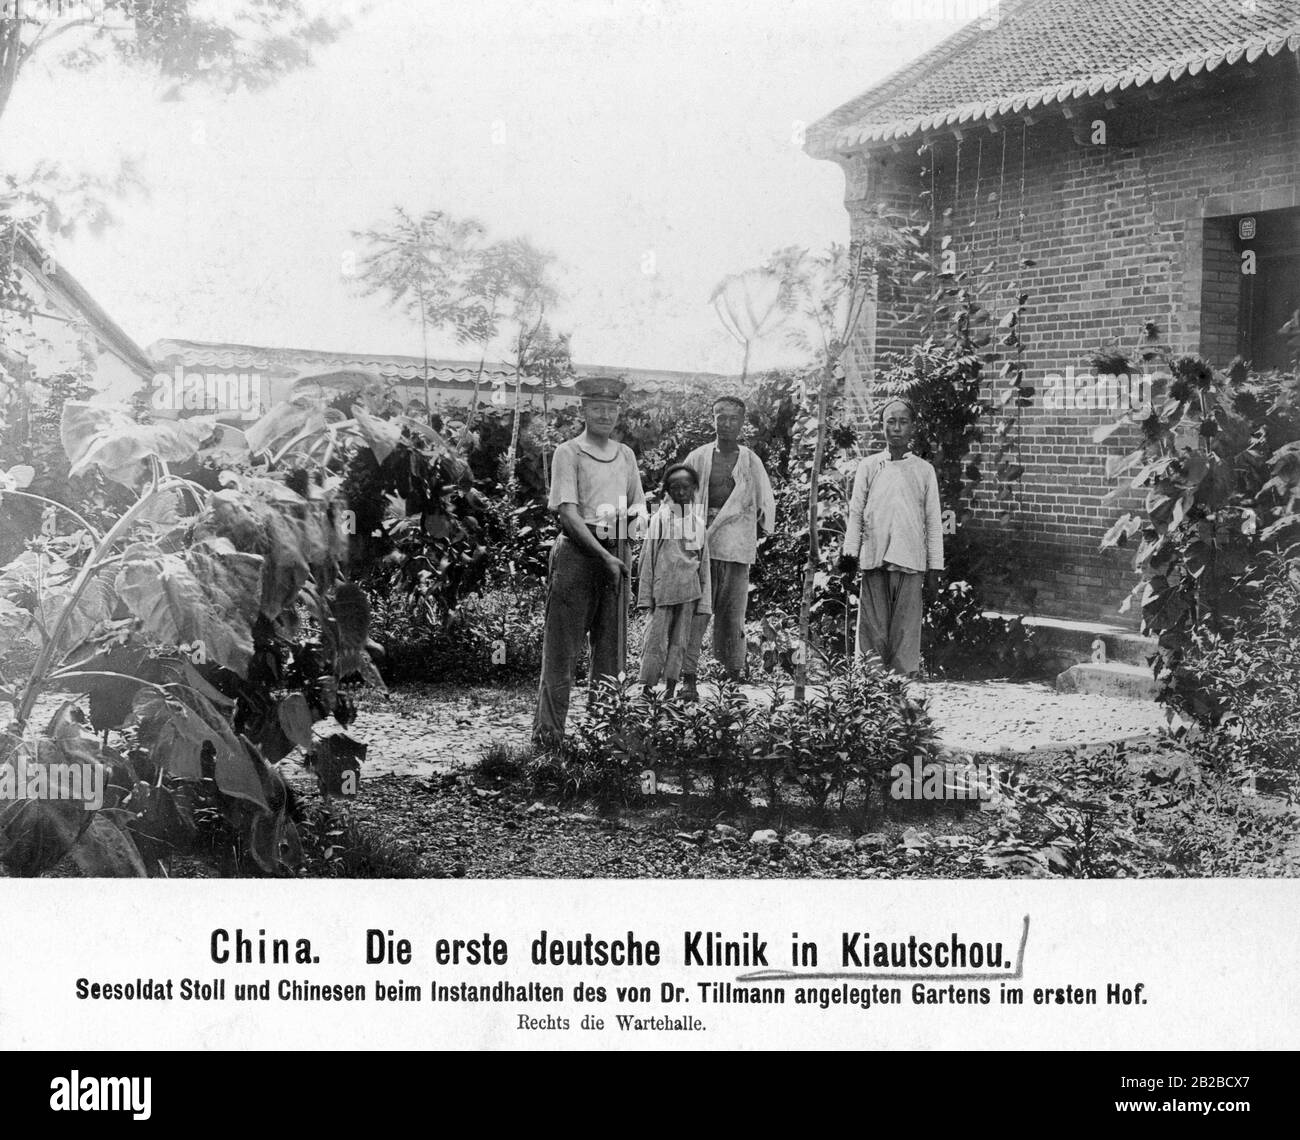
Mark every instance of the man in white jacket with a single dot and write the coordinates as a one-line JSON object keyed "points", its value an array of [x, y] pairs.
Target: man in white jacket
{"points": [[894, 533], [737, 496]]}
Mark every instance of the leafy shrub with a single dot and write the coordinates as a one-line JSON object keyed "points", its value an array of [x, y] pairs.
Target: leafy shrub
{"points": [[336, 845], [493, 637], [1084, 818], [848, 734], [1217, 510], [1093, 813], [1217, 831], [1252, 666], [958, 639], [182, 621], [711, 736], [603, 755]]}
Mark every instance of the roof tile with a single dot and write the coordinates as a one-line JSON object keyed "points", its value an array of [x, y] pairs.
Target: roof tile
{"points": [[1041, 50]]}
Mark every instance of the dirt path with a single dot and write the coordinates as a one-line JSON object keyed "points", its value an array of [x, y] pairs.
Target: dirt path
{"points": [[422, 730]]}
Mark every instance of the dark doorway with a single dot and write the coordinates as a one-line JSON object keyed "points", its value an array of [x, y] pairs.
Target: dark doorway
{"points": [[1242, 313]]}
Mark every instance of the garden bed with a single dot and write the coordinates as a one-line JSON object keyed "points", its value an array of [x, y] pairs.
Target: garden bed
{"points": [[471, 826]]}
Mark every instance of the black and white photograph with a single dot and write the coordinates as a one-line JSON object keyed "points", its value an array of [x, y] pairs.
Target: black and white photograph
{"points": [[575, 458]]}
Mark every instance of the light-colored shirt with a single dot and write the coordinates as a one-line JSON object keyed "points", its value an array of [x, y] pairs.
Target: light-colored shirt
{"points": [[674, 565], [894, 514], [751, 506], [606, 490]]}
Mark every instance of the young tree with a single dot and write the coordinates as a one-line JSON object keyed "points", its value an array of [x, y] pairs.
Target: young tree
{"points": [[549, 361], [428, 268], [750, 305], [530, 291], [825, 297]]}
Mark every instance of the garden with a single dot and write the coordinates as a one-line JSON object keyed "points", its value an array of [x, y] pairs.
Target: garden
{"points": [[309, 647]]}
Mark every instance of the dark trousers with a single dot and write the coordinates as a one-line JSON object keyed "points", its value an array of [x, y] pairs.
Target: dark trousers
{"points": [[581, 603]]}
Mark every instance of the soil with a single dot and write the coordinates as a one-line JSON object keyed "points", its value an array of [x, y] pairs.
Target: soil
{"points": [[420, 791], [428, 812]]}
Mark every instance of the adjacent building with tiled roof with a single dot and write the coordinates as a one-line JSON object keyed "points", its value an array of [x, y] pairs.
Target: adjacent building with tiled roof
{"points": [[66, 327], [1122, 162], [271, 373]]}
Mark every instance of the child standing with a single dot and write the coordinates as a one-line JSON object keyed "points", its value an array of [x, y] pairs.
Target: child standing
{"points": [[674, 578], [894, 534]]}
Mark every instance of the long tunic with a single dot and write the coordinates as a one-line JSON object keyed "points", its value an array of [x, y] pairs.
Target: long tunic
{"points": [[674, 565], [894, 515]]}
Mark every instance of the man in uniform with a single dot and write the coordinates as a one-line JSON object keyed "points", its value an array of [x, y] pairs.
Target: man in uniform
{"points": [[737, 495], [596, 492]]}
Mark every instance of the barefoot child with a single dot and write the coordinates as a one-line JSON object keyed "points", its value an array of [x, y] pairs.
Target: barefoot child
{"points": [[674, 578], [894, 533]]}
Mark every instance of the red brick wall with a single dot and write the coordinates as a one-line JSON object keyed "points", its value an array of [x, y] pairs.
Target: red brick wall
{"points": [[1120, 233]]}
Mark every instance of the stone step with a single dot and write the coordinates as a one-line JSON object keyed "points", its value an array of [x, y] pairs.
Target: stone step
{"points": [[1076, 641], [1113, 679]]}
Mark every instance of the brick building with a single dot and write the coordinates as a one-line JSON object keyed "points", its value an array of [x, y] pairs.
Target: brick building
{"points": [[1144, 155]]}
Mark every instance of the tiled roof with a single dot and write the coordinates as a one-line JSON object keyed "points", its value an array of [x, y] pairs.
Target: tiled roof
{"points": [[398, 369], [1031, 53]]}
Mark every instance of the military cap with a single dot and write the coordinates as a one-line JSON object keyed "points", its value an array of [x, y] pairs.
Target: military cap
{"points": [[601, 387]]}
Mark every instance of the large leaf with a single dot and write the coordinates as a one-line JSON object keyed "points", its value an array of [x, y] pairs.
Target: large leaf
{"points": [[209, 596], [332, 757], [105, 436], [1123, 528], [283, 423], [35, 833], [287, 531], [1117, 464], [176, 730], [92, 609], [105, 850], [227, 446], [382, 436], [1105, 431], [14, 623], [296, 719], [35, 570]]}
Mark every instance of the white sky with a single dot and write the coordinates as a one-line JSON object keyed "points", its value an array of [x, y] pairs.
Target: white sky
{"points": [[661, 127]]}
